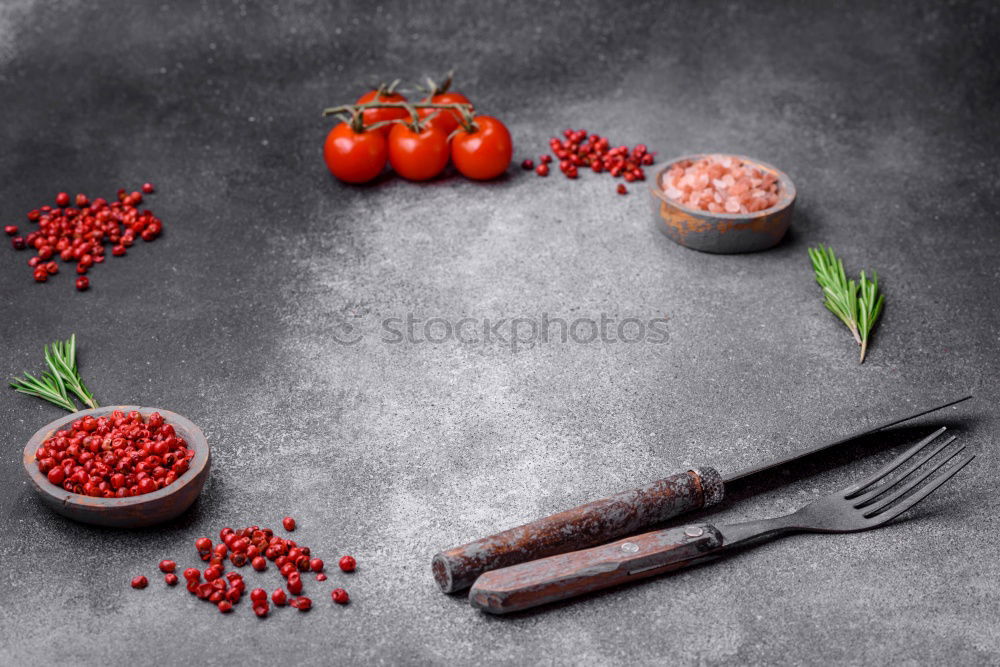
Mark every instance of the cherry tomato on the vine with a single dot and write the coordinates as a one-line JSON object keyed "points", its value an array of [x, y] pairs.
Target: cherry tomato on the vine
{"points": [[355, 157], [418, 156], [485, 152], [444, 119], [372, 116]]}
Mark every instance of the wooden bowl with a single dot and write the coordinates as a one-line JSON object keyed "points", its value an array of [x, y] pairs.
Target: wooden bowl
{"points": [[724, 232], [136, 511]]}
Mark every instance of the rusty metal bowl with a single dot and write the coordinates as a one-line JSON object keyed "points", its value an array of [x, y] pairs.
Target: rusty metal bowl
{"points": [[136, 511], [724, 232]]}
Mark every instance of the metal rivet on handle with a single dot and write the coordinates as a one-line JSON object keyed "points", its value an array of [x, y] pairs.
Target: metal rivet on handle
{"points": [[630, 547], [694, 531]]}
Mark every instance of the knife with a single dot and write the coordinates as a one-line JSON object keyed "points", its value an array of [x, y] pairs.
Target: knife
{"points": [[614, 517]]}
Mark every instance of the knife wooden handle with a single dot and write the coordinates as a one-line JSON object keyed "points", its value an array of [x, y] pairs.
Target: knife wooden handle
{"points": [[585, 526], [567, 575]]}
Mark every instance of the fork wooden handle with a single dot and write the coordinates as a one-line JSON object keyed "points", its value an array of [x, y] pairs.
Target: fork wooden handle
{"points": [[567, 575], [579, 528]]}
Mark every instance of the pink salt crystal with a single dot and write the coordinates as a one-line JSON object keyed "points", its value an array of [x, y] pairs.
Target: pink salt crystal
{"points": [[721, 183]]}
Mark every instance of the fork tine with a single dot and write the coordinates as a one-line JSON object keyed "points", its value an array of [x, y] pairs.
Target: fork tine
{"points": [[892, 513], [878, 491], [899, 492], [855, 489]]}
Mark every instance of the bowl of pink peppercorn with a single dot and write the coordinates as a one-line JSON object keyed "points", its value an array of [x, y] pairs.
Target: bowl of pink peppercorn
{"points": [[722, 203], [120, 466]]}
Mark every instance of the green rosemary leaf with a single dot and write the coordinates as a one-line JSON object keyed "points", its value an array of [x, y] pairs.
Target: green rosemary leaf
{"points": [[72, 350]]}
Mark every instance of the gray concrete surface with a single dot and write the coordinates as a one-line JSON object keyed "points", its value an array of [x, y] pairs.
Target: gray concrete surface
{"points": [[886, 119]]}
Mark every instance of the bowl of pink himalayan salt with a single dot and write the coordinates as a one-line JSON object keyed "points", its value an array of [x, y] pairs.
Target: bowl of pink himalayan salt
{"points": [[722, 203]]}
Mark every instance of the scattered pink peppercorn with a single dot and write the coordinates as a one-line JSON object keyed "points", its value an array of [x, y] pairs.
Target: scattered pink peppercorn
{"points": [[316, 565], [302, 603], [225, 606], [140, 581], [288, 523], [528, 165], [320, 577], [278, 597], [77, 229], [622, 190], [167, 566], [340, 596], [261, 610], [170, 578], [259, 563], [347, 564], [148, 188]]}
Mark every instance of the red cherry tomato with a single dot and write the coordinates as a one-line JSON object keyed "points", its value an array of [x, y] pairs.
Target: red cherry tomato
{"points": [[485, 152], [354, 157], [372, 116], [443, 119], [418, 156]]}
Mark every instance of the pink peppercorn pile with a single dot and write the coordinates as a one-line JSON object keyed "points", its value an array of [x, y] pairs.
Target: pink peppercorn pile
{"points": [[77, 231], [256, 546], [578, 150], [116, 456]]}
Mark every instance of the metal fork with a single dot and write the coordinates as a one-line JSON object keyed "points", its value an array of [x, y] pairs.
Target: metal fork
{"points": [[868, 504]]}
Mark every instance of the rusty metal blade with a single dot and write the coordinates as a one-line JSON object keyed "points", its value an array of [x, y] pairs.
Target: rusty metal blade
{"points": [[777, 463]]}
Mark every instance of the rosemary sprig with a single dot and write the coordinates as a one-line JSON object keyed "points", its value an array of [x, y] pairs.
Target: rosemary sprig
{"points": [[62, 375], [856, 304]]}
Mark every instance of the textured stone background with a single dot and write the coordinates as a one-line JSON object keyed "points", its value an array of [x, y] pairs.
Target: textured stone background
{"points": [[885, 118]]}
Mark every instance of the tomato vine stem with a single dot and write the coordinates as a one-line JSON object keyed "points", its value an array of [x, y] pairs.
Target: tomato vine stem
{"points": [[350, 108]]}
